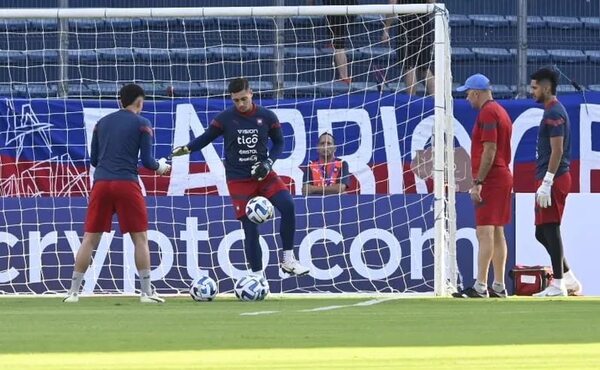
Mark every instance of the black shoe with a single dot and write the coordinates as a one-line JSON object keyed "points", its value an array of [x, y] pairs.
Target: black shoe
{"points": [[470, 293], [496, 294]]}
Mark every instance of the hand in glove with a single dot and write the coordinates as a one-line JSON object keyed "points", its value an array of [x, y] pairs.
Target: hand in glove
{"points": [[261, 169]]}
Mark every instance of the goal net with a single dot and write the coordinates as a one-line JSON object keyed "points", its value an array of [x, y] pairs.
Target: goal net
{"points": [[320, 69]]}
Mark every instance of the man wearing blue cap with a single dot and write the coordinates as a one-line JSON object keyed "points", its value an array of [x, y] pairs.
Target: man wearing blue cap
{"points": [[492, 185]]}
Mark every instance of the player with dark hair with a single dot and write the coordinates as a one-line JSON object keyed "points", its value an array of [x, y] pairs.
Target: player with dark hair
{"points": [[415, 46], [328, 174], [116, 142], [246, 129], [553, 180], [492, 186]]}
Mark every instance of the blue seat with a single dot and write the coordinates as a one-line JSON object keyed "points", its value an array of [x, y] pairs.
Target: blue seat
{"points": [[123, 24], [45, 25], [162, 24], [12, 57], [264, 88], [14, 90], [364, 86], [332, 88], [186, 55], [49, 56], [305, 22], [374, 52], [298, 89], [459, 53], [114, 55], [460, 20], [534, 55], [16, 25], [592, 23], [226, 52], [215, 88], [88, 25], [153, 56], [302, 52], [105, 89], [492, 54], [593, 55], [260, 52], [594, 87], [567, 56], [564, 88], [563, 23], [489, 21], [42, 90], [187, 89], [82, 56], [533, 21], [502, 91], [80, 90]]}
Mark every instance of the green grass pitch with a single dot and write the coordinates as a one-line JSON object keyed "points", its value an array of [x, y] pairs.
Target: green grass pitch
{"points": [[428, 333]]}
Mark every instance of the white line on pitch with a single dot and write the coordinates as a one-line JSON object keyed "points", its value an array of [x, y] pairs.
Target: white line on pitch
{"points": [[360, 304], [257, 313]]}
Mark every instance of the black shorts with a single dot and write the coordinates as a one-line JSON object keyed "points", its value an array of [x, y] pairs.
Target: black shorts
{"points": [[415, 41]]}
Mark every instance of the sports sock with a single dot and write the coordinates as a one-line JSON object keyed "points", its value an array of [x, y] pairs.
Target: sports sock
{"points": [[251, 246], [480, 287], [288, 256], [76, 281], [498, 287], [145, 283], [285, 204], [558, 283]]}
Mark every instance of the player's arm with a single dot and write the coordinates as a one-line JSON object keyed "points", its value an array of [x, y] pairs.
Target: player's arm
{"points": [[555, 124], [338, 188], [94, 152], [212, 132], [161, 166]]}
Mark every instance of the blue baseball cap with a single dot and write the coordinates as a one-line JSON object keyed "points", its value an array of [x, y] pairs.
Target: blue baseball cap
{"points": [[476, 82]]}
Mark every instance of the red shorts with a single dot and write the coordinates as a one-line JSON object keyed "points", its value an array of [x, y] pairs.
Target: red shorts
{"points": [[496, 204], [560, 190], [241, 191], [121, 196]]}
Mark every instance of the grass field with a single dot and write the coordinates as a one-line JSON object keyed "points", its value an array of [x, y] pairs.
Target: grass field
{"points": [[120, 333]]}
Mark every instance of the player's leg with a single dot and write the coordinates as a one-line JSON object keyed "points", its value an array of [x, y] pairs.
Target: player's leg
{"points": [[339, 33], [499, 263], [251, 245], [133, 219], [98, 220]]}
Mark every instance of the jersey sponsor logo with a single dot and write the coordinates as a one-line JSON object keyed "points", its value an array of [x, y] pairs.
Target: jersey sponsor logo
{"points": [[247, 151], [252, 158], [248, 137]]}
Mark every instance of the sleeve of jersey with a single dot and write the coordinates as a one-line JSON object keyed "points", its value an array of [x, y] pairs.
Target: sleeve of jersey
{"points": [[277, 138], [554, 123], [345, 175], [147, 158], [94, 152], [212, 132], [488, 124]]}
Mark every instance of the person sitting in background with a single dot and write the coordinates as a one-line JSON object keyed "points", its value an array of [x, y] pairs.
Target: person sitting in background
{"points": [[328, 175]]}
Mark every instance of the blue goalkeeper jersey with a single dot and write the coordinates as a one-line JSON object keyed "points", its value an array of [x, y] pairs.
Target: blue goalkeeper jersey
{"points": [[116, 142], [246, 138], [555, 122]]}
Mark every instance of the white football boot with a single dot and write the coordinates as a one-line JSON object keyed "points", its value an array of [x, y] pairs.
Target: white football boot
{"points": [[294, 268], [574, 287], [71, 298], [552, 291], [152, 298]]}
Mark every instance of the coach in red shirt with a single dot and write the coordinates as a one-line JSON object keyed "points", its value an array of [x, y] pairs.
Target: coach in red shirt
{"points": [[492, 185]]}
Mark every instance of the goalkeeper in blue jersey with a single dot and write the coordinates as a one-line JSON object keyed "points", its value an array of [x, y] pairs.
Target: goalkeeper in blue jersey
{"points": [[246, 129]]}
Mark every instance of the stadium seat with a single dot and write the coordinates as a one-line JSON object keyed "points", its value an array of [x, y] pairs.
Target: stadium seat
{"points": [[492, 54], [114, 55], [186, 55], [564, 88], [459, 20], [592, 23], [161, 24], [215, 88], [593, 55], [302, 52], [153, 56], [364, 86], [534, 55], [567, 56], [186, 89], [298, 89], [124, 25], [42, 90], [88, 25], [373, 53], [49, 56], [594, 87], [7, 25], [263, 88], [532, 21], [82, 56], [330, 88], [105, 89], [260, 52], [305, 22], [489, 21], [459, 53], [45, 25], [15, 90], [563, 23], [12, 57], [225, 53], [80, 90], [502, 91]]}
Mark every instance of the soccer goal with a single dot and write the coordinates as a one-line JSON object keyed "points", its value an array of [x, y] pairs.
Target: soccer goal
{"points": [[392, 230]]}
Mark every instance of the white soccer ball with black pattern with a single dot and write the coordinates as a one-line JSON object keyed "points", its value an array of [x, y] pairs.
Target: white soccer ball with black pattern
{"points": [[203, 289], [259, 209], [251, 288]]}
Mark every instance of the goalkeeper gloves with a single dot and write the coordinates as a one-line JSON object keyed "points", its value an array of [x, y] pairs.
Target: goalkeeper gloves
{"points": [[180, 150], [163, 167], [261, 169], [543, 195]]}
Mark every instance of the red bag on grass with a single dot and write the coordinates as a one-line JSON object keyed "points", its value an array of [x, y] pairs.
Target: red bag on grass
{"points": [[529, 280]]}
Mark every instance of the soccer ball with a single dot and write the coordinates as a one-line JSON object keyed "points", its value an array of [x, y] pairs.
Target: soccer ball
{"points": [[259, 210], [251, 288], [203, 289]]}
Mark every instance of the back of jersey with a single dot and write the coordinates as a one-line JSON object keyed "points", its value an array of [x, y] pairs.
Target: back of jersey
{"points": [[118, 139]]}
